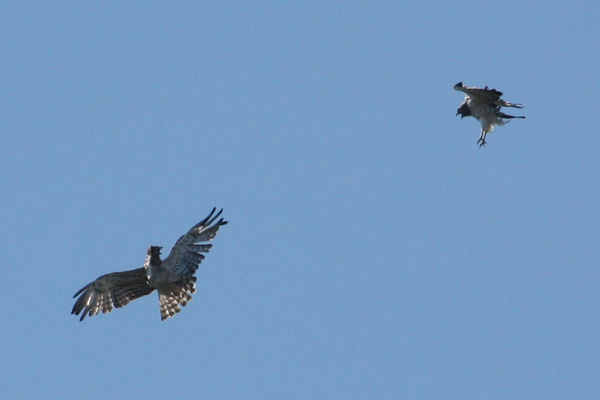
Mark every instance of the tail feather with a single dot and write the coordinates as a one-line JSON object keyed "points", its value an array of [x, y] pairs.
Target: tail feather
{"points": [[170, 303]]}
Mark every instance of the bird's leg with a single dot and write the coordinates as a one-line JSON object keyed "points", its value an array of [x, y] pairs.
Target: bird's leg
{"points": [[481, 141]]}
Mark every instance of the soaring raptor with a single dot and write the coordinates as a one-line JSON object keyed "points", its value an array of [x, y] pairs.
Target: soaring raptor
{"points": [[172, 277], [484, 105]]}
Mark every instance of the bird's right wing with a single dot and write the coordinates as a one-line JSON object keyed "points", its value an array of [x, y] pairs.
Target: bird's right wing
{"points": [[503, 103], [112, 290]]}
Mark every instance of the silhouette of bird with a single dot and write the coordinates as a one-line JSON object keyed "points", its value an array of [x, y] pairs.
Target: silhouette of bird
{"points": [[172, 277], [484, 105]]}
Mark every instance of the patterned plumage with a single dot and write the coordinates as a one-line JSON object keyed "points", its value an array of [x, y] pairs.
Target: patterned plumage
{"points": [[484, 105], [172, 277]]}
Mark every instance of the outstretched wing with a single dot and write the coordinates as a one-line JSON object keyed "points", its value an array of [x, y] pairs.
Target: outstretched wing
{"points": [[183, 261], [186, 254], [484, 95], [111, 290]]}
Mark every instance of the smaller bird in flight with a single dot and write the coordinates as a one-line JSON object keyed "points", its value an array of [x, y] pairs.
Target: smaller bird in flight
{"points": [[172, 277], [484, 105]]}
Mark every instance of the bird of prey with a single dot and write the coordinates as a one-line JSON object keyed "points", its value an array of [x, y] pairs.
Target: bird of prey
{"points": [[484, 105], [172, 277]]}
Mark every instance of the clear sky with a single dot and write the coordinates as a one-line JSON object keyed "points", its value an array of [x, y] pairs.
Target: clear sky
{"points": [[373, 250]]}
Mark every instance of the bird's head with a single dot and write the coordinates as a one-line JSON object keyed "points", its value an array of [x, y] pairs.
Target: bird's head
{"points": [[464, 111], [154, 255], [154, 251]]}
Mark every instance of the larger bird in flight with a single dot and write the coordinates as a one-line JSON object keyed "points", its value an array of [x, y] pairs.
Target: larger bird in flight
{"points": [[484, 105], [172, 277]]}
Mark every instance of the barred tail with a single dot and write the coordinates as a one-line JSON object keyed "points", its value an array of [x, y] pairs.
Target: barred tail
{"points": [[170, 304]]}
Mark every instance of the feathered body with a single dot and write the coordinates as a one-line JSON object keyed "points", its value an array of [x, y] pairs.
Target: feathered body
{"points": [[485, 106], [172, 277]]}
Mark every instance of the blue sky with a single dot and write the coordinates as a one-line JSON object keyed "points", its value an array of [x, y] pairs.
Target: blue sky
{"points": [[373, 250]]}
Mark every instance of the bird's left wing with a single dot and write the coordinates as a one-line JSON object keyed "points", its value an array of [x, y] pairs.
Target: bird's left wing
{"points": [[186, 254], [485, 95], [112, 290]]}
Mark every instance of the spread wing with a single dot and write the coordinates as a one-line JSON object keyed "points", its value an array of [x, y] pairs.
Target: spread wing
{"points": [[183, 261], [186, 254], [485, 95], [111, 290]]}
